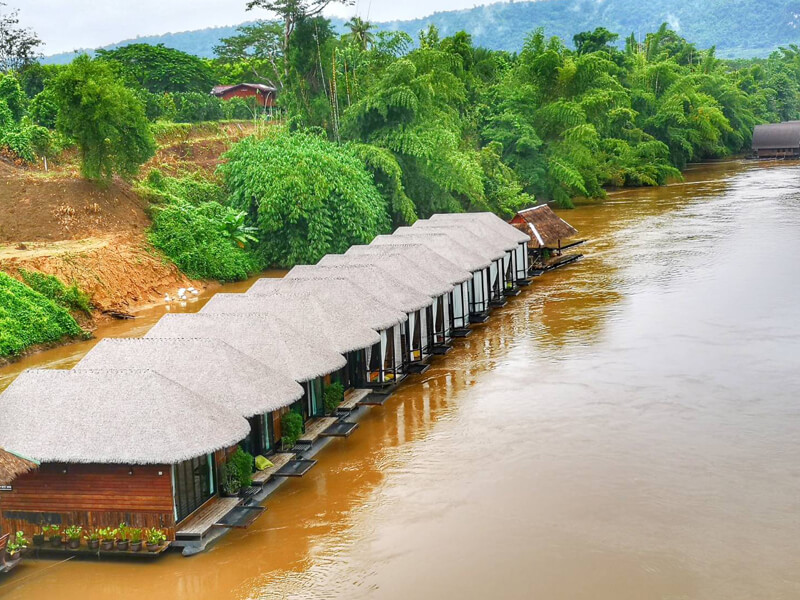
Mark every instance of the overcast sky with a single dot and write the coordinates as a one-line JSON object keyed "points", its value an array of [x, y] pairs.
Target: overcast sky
{"points": [[66, 25]]}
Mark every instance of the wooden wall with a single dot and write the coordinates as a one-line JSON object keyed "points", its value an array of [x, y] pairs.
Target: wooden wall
{"points": [[89, 495]]}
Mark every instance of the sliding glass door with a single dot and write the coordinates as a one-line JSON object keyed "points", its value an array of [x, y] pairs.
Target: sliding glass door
{"points": [[193, 483]]}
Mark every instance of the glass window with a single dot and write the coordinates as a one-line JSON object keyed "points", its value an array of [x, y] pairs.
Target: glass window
{"points": [[194, 484]]}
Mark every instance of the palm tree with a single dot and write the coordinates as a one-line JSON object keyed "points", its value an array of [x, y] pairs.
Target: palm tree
{"points": [[361, 31]]}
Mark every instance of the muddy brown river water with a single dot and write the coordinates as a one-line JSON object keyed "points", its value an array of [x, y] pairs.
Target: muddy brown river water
{"points": [[627, 428]]}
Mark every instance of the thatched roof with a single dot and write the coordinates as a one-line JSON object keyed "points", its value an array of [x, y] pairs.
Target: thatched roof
{"points": [[304, 314], [338, 295], [398, 266], [12, 466], [485, 244], [107, 416], [487, 219], [773, 136], [421, 255], [372, 279], [545, 226], [208, 367], [445, 245], [267, 339]]}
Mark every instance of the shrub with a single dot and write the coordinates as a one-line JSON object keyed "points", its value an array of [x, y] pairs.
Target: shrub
{"points": [[291, 428], [193, 107], [50, 286], [241, 108], [105, 119], [240, 463], [28, 318], [195, 238], [43, 109], [13, 96], [333, 396], [192, 189], [27, 141], [308, 196]]}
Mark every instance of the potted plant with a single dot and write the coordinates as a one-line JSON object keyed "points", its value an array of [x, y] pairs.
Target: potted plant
{"points": [[54, 535], [135, 537], [73, 533], [154, 539], [107, 538], [93, 539], [291, 429], [230, 481], [333, 396], [38, 538], [15, 547], [122, 537], [20, 542]]}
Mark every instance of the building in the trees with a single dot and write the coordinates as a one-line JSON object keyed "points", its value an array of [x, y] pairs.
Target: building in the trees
{"points": [[263, 94]]}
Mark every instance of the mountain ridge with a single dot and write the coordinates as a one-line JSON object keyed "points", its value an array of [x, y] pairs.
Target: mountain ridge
{"points": [[738, 28]]}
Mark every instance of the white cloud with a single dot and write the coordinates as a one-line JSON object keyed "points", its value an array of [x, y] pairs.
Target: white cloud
{"points": [[66, 25]]}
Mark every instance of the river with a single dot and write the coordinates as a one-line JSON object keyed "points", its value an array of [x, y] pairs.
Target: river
{"points": [[627, 428]]}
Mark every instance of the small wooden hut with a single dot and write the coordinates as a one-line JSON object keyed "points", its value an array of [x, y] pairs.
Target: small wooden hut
{"points": [[213, 370], [113, 446], [263, 94], [269, 340], [547, 233]]}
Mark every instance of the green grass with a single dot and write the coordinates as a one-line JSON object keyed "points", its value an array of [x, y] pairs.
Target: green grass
{"points": [[28, 318], [71, 298]]}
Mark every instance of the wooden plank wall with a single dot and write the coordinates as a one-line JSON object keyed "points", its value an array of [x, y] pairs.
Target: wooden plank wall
{"points": [[90, 495]]}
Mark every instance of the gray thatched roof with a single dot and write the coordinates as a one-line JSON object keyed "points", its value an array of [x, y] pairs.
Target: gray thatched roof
{"points": [[486, 246], [338, 295], [12, 466], [269, 340], [398, 266], [421, 255], [372, 279], [486, 224], [772, 136], [447, 245], [305, 314], [208, 367], [107, 416]]}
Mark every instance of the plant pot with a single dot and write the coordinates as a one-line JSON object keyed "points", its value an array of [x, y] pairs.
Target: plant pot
{"points": [[107, 545], [74, 544], [153, 547], [122, 545], [12, 559], [93, 544], [135, 546], [55, 541], [38, 539]]}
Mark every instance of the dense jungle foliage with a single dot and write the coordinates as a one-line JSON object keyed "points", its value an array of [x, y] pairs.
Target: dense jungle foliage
{"points": [[28, 317], [377, 129]]}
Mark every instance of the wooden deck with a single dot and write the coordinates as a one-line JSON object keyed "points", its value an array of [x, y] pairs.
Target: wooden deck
{"points": [[315, 428], [207, 517], [352, 398], [279, 459]]}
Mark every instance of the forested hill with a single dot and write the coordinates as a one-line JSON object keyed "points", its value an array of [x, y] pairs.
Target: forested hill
{"points": [[738, 28]]}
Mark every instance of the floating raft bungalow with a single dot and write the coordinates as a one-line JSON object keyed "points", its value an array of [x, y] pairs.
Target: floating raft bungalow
{"points": [[547, 233], [777, 140], [143, 431]]}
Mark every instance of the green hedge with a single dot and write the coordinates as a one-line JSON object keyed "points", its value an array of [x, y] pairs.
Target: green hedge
{"points": [[28, 318]]}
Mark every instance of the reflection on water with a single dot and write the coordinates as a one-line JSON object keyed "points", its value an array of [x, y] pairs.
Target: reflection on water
{"points": [[625, 428]]}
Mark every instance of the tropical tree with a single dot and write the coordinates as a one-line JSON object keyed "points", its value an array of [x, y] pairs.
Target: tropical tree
{"points": [[361, 32], [18, 45], [104, 118], [306, 195]]}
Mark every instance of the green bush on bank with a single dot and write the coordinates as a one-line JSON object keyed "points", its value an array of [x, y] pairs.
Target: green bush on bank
{"points": [[196, 238], [28, 318], [51, 287]]}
